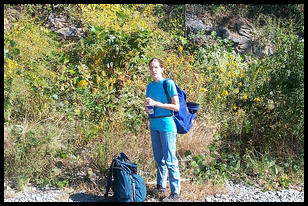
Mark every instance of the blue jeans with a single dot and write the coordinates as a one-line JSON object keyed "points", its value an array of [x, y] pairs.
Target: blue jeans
{"points": [[164, 150]]}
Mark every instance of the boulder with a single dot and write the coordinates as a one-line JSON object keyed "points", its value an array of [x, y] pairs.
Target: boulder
{"points": [[244, 46], [263, 51], [246, 31], [57, 22], [193, 24], [62, 26], [7, 24], [70, 32], [222, 32], [10, 17], [235, 38]]}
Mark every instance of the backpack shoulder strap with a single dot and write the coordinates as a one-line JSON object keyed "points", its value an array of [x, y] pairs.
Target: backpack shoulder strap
{"points": [[166, 92], [109, 180]]}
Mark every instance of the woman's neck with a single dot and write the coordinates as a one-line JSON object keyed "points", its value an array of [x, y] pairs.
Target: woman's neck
{"points": [[159, 79]]}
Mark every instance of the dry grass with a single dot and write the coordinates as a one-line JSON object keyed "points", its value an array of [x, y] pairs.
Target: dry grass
{"points": [[10, 194], [196, 141], [190, 192], [5, 137]]}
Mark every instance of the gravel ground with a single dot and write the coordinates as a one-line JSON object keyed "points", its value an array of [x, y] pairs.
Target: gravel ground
{"points": [[243, 193], [238, 192]]}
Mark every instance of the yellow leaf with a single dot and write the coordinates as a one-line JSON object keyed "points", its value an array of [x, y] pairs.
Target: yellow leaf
{"points": [[257, 99], [245, 97], [225, 92], [203, 90], [180, 49]]}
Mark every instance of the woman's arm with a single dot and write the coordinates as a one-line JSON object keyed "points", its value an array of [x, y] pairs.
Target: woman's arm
{"points": [[174, 106]]}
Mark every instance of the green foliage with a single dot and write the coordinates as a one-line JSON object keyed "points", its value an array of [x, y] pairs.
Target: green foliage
{"points": [[104, 82], [244, 92], [119, 17], [285, 12], [29, 70], [174, 21], [251, 167], [259, 102], [34, 151]]}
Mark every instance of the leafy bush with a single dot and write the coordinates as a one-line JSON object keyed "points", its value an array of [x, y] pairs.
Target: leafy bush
{"points": [[258, 102], [119, 17], [280, 85], [108, 76], [29, 70]]}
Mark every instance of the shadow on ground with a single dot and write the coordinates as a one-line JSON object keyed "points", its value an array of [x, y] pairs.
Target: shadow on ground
{"points": [[84, 197]]}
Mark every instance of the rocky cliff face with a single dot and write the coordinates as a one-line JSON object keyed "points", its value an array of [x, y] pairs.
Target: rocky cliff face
{"points": [[242, 34], [240, 31], [61, 24]]}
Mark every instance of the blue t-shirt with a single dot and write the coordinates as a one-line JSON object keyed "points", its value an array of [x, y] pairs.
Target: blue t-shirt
{"points": [[155, 90]]}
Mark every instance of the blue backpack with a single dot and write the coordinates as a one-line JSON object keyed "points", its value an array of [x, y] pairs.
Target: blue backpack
{"points": [[126, 184], [187, 113]]}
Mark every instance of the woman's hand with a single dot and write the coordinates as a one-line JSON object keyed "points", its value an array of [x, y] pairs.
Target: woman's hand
{"points": [[146, 109], [150, 102]]}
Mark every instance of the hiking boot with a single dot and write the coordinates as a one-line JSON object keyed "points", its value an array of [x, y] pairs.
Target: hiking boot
{"points": [[174, 197], [159, 189]]}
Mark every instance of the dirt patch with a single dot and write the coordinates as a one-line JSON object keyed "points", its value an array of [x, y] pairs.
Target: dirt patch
{"points": [[190, 192]]}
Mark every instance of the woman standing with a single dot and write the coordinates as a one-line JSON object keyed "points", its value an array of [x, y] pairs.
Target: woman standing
{"points": [[163, 130]]}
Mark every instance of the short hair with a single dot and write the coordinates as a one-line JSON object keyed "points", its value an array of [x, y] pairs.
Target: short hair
{"points": [[161, 63]]}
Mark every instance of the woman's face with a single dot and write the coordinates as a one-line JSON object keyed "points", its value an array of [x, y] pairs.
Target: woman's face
{"points": [[156, 71]]}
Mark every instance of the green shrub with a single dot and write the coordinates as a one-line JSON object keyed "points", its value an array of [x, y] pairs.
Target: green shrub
{"points": [[258, 102], [29, 71], [279, 83]]}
